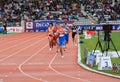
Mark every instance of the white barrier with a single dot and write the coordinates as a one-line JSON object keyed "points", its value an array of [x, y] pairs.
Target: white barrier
{"points": [[15, 29], [105, 63]]}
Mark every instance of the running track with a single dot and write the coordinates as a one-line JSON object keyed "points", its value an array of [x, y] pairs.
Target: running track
{"points": [[26, 57]]}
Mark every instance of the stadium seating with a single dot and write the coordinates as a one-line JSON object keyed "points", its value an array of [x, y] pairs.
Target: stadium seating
{"points": [[101, 12], [17, 10]]}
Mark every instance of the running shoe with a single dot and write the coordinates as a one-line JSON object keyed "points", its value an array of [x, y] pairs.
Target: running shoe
{"points": [[62, 56]]}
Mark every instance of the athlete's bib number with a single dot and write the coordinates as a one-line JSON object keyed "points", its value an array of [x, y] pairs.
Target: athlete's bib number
{"points": [[66, 32], [50, 33], [74, 30], [55, 34], [61, 35]]}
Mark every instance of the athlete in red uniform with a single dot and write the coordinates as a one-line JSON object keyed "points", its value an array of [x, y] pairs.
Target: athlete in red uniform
{"points": [[55, 37], [50, 35]]}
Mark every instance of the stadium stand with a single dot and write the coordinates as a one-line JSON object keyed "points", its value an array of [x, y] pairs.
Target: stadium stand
{"points": [[107, 10], [13, 11]]}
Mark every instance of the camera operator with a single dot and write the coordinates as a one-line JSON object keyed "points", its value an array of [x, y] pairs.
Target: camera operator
{"points": [[107, 31], [4, 27]]}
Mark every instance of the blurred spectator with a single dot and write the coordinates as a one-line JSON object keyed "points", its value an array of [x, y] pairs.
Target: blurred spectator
{"points": [[17, 10], [30, 10], [4, 27], [114, 67], [107, 10]]}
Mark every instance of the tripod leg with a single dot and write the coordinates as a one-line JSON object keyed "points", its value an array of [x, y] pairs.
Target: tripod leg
{"points": [[115, 48], [95, 47], [100, 45], [108, 47], [105, 47]]}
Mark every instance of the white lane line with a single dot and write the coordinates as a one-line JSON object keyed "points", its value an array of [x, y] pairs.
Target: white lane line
{"points": [[8, 64], [28, 75], [35, 63], [12, 37], [50, 66], [1, 80], [18, 44], [10, 41], [22, 49]]}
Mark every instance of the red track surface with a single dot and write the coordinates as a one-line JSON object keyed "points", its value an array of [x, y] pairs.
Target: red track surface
{"points": [[26, 57]]}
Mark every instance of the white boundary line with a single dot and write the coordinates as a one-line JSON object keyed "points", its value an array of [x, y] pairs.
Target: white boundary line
{"points": [[14, 35], [18, 44], [20, 50], [50, 66], [87, 68], [21, 38], [20, 66], [28, 75], [40, 79]]}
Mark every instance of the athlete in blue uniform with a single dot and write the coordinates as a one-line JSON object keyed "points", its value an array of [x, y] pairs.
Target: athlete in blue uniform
{"points": [[61, 39], [67, 31]]}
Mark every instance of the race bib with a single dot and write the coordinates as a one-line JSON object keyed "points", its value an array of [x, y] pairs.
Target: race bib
{"points": [[66, 32], [55, 34], [61, 35], [74, 30], [50, 33]]}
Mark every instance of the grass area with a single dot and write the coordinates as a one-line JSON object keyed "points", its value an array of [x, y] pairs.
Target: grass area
{"points": [[90, 44]]}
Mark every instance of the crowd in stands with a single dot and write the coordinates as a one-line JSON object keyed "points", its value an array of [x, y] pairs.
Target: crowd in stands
{"points": [[17, 10], [106, 10]]}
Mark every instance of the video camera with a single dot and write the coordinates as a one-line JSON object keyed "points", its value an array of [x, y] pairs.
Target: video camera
{"points": [[107, 28]]}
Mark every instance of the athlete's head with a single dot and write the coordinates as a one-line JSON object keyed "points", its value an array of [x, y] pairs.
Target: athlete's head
{"points": [[59, 26], [56, 25], [73, 24], [64, 25], [50, 24]]}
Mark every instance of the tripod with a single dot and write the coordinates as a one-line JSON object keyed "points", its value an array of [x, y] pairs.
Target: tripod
{"points": [[107, 39], [98, 42]]}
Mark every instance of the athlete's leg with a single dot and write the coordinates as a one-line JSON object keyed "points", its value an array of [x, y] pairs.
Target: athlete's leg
{"points": [[61, 45], [67, 38], [57, 46], [50, 42], [61, 51], [74, 37], [75, 40], [64, 42]]}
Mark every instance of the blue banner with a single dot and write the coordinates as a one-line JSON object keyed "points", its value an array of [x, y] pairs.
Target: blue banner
{"points": [[42, 25], [116, 27], [97, 27]]}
